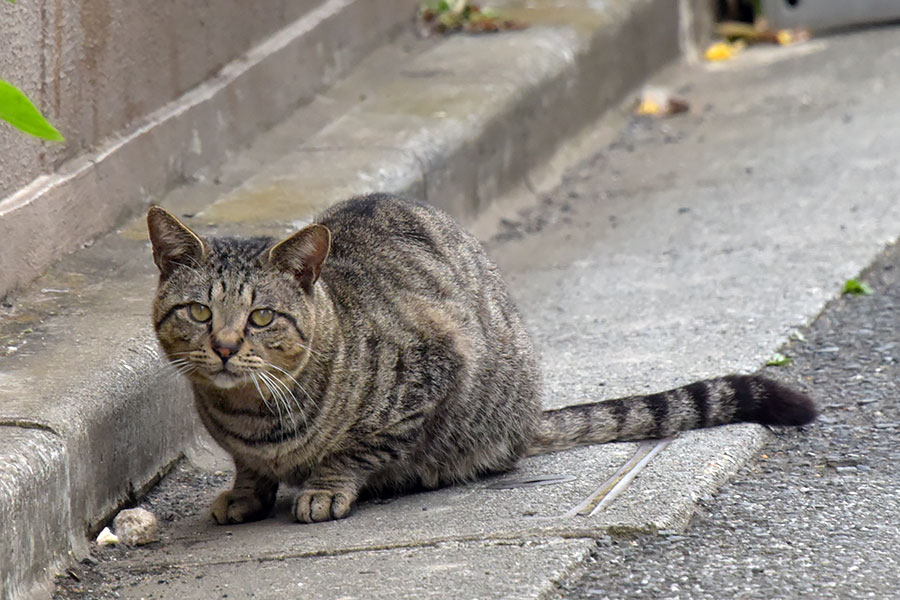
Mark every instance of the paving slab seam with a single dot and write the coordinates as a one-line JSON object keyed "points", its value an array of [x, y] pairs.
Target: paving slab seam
{"points": [[491, 540]]}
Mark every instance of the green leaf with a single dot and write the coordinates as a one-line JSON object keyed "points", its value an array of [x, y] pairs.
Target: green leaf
{"points": [[798, 336], [17, 110], [779, 360], [858, 288]]}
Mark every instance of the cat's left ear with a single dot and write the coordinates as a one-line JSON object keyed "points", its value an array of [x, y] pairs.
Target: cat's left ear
{"points": [[174, 244], [302, 255]]}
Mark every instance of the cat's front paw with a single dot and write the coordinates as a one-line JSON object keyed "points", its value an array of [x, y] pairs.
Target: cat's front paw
{"points": [[239, 506], [311, 506]]}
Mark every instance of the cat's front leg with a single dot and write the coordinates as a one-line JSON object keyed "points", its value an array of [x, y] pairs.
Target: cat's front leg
{"points": [[329, 493], [251, 498]]}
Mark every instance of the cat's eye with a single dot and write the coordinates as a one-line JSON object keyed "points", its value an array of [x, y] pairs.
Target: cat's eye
{"points": [[199, 312], [262, 317]]}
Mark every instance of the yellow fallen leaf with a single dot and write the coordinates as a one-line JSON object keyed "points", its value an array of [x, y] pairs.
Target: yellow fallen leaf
{"points": [[659, 102], [648, 107], [785, 37], [723, 51]]}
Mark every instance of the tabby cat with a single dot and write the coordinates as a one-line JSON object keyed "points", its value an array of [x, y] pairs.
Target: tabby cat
{"points": [[378, 349]]}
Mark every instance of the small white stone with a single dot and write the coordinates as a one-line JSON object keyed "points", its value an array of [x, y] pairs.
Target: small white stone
{"points": [[107, 538], [136, 527]]}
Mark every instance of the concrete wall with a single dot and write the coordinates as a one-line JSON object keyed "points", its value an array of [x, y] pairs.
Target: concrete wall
{"points": [[151, 94], [96, 67]]}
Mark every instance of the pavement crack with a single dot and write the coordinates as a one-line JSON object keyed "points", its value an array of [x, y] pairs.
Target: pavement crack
{"points": [[28, 424]]}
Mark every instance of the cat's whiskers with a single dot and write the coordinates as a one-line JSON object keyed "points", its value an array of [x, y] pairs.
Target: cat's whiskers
{"points": [[183, 363], [294, 381], [255, 379], [290, 392], [179, 366], [295, 401], [272, 403], [280, 399], [279, 369]]}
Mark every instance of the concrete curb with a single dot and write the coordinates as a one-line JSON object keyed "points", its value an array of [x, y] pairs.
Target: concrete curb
{"points": [[37, 535], [189, 135], [432, 134], [85, 368], [89, 414]]}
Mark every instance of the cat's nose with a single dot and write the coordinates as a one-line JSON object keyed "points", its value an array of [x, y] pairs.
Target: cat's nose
{"points": [[225, 349]]}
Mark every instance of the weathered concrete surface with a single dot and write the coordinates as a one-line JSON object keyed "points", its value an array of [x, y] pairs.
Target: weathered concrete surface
{"points": [[95, 68], [682, 249], [700, 244], [511, 570], [177, 138], [77, 352]]}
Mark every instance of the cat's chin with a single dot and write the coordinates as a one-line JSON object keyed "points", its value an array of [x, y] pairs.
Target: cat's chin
{"points": [[226, 380]]}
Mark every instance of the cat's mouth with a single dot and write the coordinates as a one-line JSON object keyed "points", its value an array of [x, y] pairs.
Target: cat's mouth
{"points": [[226, 378]]}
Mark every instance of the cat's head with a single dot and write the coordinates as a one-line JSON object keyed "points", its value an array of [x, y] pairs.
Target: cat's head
{"points": [[235, 311]]}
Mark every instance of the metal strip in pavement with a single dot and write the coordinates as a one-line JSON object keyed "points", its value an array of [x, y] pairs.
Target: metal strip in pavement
{"points": [[610, 489]]}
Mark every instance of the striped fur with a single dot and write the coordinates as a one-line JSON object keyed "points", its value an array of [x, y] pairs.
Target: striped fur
{"points": [[732, 399], [398, 361]]}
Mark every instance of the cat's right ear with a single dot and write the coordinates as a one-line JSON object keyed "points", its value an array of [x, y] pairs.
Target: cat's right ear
{"points": [[173, 243], [302, 254]]}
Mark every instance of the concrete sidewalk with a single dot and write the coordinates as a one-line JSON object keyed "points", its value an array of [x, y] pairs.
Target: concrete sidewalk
{"points": [[90, 416], [683, 249]]}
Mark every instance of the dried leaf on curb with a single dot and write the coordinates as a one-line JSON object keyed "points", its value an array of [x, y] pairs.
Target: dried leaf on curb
{"points": [[448, 16], [760, 33], [737, 35], [786, 37], [736, 30], [658, 102]]}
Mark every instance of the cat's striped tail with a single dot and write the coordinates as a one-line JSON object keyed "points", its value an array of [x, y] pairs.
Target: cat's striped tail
{"points": [[732, 399]]}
